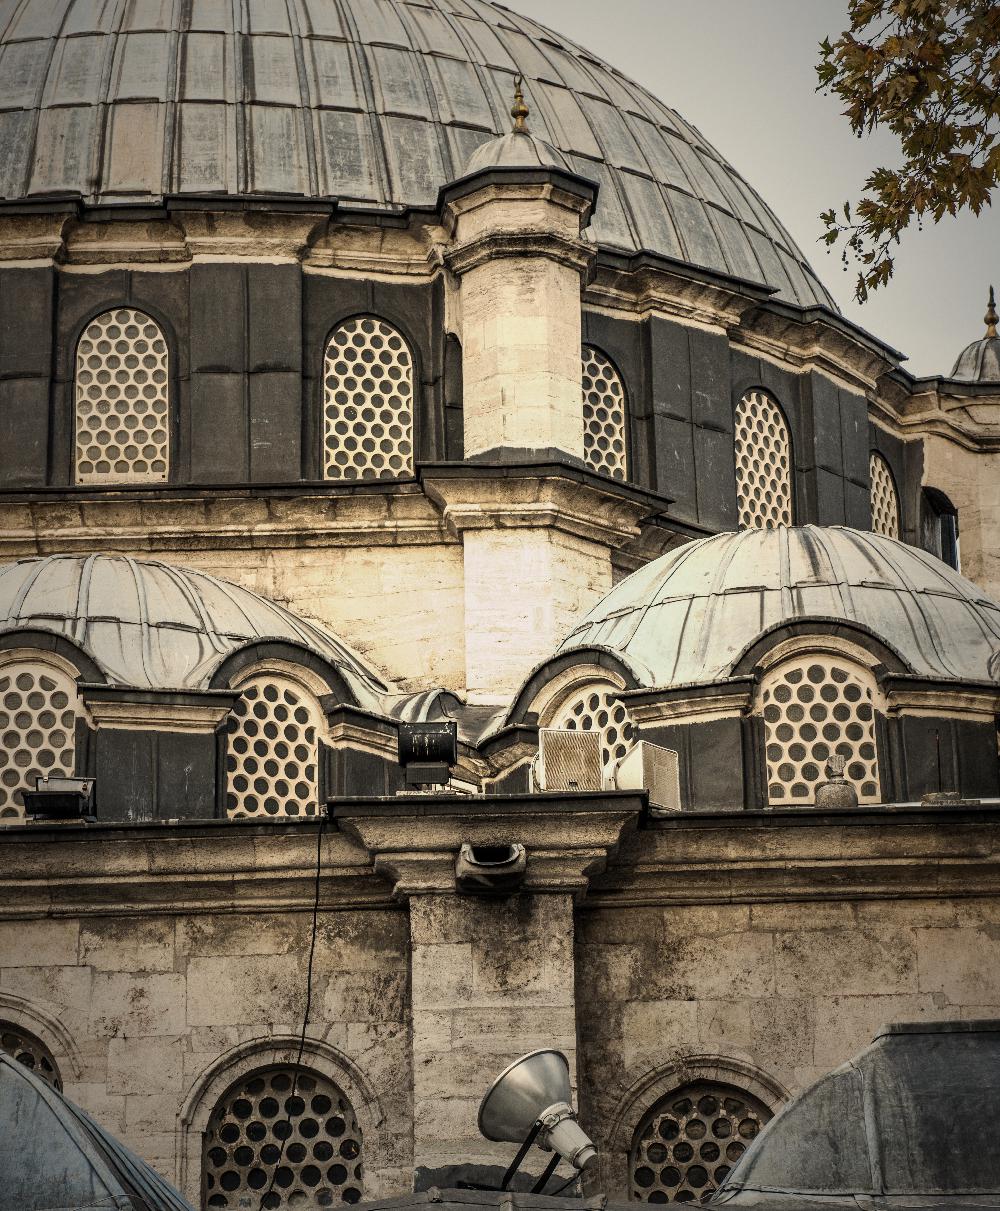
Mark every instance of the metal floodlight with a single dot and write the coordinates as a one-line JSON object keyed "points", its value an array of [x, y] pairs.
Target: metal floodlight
{"points": [[60, 799], [428, 752], [531, 1100]]}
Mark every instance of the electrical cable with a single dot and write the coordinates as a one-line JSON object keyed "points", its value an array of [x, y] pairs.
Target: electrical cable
{"points": [[550, 1168], [565, 1186], [265, 1203]]}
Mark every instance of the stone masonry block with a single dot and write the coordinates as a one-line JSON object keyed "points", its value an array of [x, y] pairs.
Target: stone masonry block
{"points": [[146, 1065], [128, 1005], [39, 943], [254, 989]]}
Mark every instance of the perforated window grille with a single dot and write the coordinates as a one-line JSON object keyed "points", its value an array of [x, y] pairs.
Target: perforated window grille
{"points": [[292, 1126], [604, 426], [122, 407], [30, 1052], [885, 502], [37, 729], [763, 464], [594, 711], [691, 1139], [273, 750], [813, 708], [367, 402]]}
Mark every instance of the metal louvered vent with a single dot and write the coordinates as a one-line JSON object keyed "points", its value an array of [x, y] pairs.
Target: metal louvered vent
{"points": [[273, 750], [30, 1052], [691, 1139], [37, 729], [763, 464], [367, 402], [813, 708], [885, 501], [282, 1138], [122, 405], [604, 427], [594, 711]]}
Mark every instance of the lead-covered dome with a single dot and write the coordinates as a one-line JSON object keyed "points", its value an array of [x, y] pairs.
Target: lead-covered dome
{"points": [[687, 617], [148, 625], [374, 102]]}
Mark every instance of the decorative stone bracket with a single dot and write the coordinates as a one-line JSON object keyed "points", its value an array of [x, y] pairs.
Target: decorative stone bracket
{"points": [[414, 840]]}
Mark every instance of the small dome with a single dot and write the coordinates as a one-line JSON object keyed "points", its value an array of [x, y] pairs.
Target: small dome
{"points": [[519, 149], [52, 1154], [687, 617], [149, 625], [980, 361]]}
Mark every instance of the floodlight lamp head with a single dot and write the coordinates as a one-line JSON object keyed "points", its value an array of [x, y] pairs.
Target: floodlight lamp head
{"points": [[536, 1089]]}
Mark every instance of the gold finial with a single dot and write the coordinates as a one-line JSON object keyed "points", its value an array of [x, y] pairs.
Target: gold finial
{"points": [[991, 319], [519, 111]]}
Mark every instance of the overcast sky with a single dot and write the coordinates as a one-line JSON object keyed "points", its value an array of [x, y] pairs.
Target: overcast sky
{"points": [[743, 72]]}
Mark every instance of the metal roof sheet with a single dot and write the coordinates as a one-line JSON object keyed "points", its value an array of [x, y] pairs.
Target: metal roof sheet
{"points": [[149, 625], [375, 102], [686, 617]]}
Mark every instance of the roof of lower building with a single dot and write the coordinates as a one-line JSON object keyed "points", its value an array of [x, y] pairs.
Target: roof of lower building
{"points": [[54, 1157], [150, 625], [688, 616], [377, 103]]}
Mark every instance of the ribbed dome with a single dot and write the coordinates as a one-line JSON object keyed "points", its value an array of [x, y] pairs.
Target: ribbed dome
{"points": [[374, 102], [979, 362], [152, 626], [687, 617]]}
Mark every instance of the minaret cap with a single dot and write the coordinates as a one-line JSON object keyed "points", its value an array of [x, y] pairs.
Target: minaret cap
{"points": [[519, 111], [991, 319]]}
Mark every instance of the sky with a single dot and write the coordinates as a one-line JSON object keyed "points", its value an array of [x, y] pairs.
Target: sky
{"points": [[743, 72]]}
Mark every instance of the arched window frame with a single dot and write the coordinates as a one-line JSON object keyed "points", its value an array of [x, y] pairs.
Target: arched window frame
{"points": [[886, 513], [29, 1047], [36, 662], [328, 418], [748, 512], [310, 687], [615, 462], [125, 479], [555, 703], [861, 667]]}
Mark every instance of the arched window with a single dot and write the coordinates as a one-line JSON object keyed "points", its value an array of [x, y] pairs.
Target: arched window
{"points": [[763, 463], [688, 1142], [367, 402], [593, 710], [37, 728], [122, 403], [939, 527], [605, 441], [30, 1052], [815, 706], [273, 749], [287, 1137], [885, 499]]}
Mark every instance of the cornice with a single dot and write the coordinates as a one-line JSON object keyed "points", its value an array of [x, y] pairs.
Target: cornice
{"points": [[498, 245]]}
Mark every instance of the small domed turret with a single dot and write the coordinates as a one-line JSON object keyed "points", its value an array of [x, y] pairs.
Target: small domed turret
{"points": [[518, 149], [980, 361]]}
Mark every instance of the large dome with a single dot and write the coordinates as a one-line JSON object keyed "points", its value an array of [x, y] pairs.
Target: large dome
{"points": [[373, 102], [152, 626], [688, 616]]}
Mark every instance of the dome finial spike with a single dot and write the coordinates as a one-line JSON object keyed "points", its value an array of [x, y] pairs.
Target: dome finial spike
{"points": [[991, 319], [519, 111]]}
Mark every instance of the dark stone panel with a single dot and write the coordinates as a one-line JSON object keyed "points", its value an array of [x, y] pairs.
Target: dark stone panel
{"points": [[854, 428], [412, 310], [80, 297], [165, 296], [710, 759], [327, 301], [218, 428], [711, 394], [218, 318], [274, 294], [675, 465], [857, 506], [831, 506], [26, 322], [828, 443], [355, 772], [275, 427], [669, 369], [454, 416], [185, 774], [24, 432], [745, 372], [125, 771], [715, 479], [947, 754], [978, 764], [514, 782]]}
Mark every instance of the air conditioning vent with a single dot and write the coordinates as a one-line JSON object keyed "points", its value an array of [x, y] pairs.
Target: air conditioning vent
{"points": [[568, 760], [653, 769]]}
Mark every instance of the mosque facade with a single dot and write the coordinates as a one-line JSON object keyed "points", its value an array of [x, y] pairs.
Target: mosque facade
{"points": [[338, 396]]}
